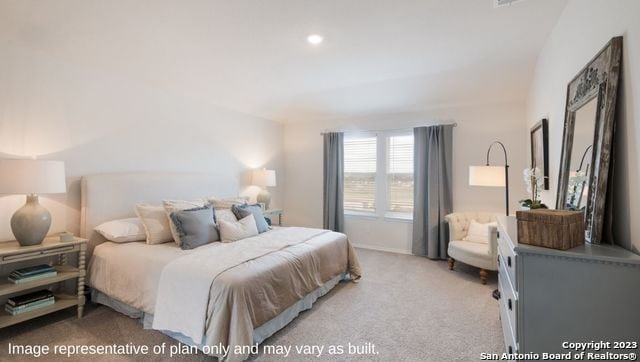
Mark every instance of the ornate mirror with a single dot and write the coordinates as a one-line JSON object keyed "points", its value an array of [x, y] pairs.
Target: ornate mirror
{"points": [[588, 137]]}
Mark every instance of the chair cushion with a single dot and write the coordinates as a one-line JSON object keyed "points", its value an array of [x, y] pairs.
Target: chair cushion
{"points": [[475, 254], [459, 222], [479, 233]]}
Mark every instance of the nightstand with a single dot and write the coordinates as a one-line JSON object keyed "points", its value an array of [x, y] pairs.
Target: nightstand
{"points": [[12, 253], [271, 213]]}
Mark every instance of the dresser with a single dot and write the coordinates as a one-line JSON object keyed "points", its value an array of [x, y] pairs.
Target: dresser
{"points": [[547, 296]]}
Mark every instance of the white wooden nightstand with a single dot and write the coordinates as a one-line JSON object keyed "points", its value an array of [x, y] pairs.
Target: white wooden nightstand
{"points": [[11, 252], [271, 213]]}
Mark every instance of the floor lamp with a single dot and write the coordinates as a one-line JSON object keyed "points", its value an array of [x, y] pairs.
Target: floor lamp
{"points": [[492, 176]]}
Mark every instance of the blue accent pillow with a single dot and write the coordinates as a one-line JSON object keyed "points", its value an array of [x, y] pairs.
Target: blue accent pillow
{"points": [[242, 211], [196, 227]]}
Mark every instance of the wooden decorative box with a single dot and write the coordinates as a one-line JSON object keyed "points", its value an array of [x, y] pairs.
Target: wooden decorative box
{"points": [[556, 229]]}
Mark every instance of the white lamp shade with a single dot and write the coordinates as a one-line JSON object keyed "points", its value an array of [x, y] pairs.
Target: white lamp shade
{"points": [[486, 176], [264, 178], [32, 177]]}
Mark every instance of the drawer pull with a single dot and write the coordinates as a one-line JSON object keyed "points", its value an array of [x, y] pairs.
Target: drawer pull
{"points": [[509, 261], [510, 350], [498, 234], [510, 304]]}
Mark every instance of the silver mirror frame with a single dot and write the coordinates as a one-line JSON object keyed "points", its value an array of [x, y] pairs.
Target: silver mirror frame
{"points": [[599, 78]]}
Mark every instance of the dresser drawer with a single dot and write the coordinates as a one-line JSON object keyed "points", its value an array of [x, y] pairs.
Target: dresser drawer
{"points": [[27, 255], [507, 257], [508, 331], [508, 302]]}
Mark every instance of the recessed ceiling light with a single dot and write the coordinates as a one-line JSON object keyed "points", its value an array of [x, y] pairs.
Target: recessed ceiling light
{"points": [[315, 39]]}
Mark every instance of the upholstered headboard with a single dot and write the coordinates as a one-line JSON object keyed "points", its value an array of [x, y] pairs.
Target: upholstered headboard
{"points": [[107, 197]]}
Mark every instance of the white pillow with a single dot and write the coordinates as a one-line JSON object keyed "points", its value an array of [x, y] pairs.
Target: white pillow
{"points": [[176, 205], [226, 215], [242, 229], [156, 223], [227, 202], [479, 233], [123, 230]]}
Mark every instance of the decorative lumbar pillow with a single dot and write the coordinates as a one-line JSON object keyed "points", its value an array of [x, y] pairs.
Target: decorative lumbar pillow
{"points": [[122, 230], [242, 229], [155, 222], [176, 205], [479, 233], [195, 227], [242, 211], [227, 203], [225, 214]]}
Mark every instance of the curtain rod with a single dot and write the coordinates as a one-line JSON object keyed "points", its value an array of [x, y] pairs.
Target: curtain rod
{"points": [[454, 124]]}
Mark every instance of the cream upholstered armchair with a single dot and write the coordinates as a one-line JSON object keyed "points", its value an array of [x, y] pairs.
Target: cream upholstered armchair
{"points": [[479, 254]]}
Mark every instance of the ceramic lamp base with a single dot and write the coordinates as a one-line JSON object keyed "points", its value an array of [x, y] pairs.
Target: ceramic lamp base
{"points": [[30, 224], [264, 197]]}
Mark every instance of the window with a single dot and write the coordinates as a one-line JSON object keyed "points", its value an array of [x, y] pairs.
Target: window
{"points": [[378, 175], [400, 174], [360, 174]]}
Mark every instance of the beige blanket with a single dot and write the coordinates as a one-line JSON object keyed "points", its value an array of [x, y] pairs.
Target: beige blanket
{"points": [[221, 293]]}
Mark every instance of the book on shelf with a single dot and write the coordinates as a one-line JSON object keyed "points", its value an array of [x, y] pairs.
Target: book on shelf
{"points": [[29, 307], [29, 298], [19, 280], [32, 270], [40, 302]]}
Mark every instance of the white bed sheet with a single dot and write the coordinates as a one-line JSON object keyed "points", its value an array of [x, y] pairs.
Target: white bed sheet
{"points": [[130, 272], [242, 298]]}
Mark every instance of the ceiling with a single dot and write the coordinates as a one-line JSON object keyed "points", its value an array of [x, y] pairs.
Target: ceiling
{"points": [[252, 56]]}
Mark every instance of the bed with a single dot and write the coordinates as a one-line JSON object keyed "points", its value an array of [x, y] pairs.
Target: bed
{"points": [[218, 297]]}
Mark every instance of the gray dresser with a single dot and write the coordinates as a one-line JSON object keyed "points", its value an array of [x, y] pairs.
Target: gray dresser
{"points": [[588, 293]]}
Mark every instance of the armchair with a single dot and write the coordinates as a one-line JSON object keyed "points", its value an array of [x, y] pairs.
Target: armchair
{"points": [[478, 254]]}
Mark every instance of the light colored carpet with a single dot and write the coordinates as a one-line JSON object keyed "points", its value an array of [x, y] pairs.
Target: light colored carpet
{"points": [[410, 308]]}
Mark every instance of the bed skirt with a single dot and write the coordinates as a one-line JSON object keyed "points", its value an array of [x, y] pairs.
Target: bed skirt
{"points": [[259, 334]]}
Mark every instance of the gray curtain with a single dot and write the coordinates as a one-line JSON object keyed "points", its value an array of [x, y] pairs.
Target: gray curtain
{"points": [[432, 196], [333, 181]]}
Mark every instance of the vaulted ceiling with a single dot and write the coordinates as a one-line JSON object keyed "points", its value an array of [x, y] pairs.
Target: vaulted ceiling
{"points": [[252, 55]]}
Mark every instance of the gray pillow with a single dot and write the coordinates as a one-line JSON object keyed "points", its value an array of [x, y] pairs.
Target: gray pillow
{"points": [[196, 227], [242, 211]]}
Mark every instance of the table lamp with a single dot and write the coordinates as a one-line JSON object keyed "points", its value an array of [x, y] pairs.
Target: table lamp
{"points": [[30, 224], [264, 178], [492, 176]]}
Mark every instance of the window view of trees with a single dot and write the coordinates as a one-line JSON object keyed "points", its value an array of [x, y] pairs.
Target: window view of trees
{"points": [[361, 166], [360, 174], [400, 174]]}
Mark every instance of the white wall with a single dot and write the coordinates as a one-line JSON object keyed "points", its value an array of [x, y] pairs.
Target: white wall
{"points": [[478, 126], [99, 121], [583, 29]]}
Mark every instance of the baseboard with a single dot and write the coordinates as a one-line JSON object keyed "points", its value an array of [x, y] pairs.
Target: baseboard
{"points": [[380, 248]]}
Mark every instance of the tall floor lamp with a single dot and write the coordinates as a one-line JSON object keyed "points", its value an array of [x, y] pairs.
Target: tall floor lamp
{"points": [[492, 176]]}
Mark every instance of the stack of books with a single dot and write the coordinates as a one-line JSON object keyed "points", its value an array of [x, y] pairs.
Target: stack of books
{"points": [[28, 302], [32, 273]]}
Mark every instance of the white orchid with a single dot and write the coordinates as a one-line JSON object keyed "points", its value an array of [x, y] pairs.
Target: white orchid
{"points": [[534, 180]]}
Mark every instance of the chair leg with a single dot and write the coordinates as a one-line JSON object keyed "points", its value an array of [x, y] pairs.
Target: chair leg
{"points": [[483, 276], [452, 262]]}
